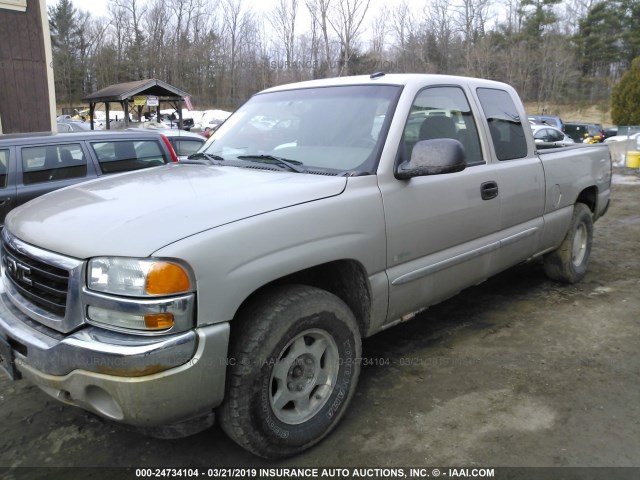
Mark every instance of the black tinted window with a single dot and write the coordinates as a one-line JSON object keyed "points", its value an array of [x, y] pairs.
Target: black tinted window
{"points": [[555, 135], [505, 124], [125, 155], [4, 167], [49, 163]]}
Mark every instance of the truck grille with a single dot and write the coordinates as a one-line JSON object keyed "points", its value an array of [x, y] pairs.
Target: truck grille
{"points": [[40, 283]]}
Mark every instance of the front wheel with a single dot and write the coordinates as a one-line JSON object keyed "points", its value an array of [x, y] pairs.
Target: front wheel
{"points": [[569, 262], [293, 370]]}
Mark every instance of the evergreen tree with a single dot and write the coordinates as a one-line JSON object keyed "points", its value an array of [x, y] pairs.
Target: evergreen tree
{"points": [[63, 24], [625, 97]]}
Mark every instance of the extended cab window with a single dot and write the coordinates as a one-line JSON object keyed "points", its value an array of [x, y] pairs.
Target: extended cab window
{"points": [[505, 125], [4, 167], [442, 112], [125, 155], [47, 163]]}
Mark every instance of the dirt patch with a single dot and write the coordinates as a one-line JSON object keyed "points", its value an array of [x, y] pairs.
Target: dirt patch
{"points": [[518, 371]]}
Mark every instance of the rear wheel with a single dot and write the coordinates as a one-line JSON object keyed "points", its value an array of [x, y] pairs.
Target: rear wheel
{"points": [[293, 370], [569, 262]]}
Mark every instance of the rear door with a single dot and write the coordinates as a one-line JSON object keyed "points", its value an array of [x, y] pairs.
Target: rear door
{"points": [[519, 175], [7, 182], [44, 168]]}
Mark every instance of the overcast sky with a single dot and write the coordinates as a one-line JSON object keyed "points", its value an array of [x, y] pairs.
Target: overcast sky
{"points": [[96, 7], [99, 7]]}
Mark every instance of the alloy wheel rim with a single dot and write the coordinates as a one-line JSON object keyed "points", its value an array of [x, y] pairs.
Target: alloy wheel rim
{"points": [[304, 376], [579, 250]]}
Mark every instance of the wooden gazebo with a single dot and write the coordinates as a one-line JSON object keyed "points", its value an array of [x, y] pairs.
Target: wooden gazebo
{"points": [[135, 96]]}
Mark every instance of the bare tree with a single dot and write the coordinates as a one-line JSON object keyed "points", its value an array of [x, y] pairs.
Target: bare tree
{"points": [[283, 20], [319, 10], [346, 20], [91, 33], [471, 16], [439, 32], [236, 24], [128, 16], [379, 31], [155, 24]]}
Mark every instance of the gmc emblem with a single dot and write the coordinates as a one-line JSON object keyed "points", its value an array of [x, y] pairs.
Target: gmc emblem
{"points": [[19, 272]]}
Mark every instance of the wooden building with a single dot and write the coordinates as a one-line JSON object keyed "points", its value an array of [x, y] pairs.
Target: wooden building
{"points": [[27, 92]]}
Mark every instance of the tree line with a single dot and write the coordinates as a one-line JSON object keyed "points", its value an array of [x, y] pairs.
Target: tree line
{"points": [[222, 51]]}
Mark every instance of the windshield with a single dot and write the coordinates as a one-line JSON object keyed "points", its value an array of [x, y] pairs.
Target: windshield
{"points": [[330, 129]]}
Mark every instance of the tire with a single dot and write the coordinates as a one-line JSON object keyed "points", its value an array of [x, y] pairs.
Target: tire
{"points": [[568, 264], [293, 368]]}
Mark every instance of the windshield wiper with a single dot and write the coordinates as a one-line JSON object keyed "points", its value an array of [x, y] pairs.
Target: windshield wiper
{"points": [[202, 158], [293, 165]]}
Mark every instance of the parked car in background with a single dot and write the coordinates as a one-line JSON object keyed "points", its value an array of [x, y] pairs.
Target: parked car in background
{"points": [[550, 135], [34, 164], [584, 132], [622, 138], [184, 143], [73, 126], [168, 121], [610, 132], [187, 123], [548, 120]]}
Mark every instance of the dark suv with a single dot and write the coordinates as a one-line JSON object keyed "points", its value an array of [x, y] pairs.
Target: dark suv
{"points": [[579, 132], [34, 164]]}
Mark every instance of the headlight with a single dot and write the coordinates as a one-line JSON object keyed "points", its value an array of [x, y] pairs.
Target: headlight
{"points": [[137, 277]]}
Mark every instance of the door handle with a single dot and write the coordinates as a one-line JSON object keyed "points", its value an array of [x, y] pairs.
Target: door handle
{"points": [[489, 190]]}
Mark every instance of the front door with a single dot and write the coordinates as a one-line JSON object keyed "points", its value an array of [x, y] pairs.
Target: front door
{"points": [[442, 230]]}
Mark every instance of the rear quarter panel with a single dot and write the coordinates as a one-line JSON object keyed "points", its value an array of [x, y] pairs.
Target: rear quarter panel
{"points": [[570, 172]]}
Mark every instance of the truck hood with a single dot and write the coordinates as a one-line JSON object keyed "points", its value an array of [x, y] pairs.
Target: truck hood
{"points": [[136, 213]]}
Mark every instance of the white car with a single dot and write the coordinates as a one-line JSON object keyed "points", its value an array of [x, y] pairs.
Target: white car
{"points": [[622, 138], [550, 135]]}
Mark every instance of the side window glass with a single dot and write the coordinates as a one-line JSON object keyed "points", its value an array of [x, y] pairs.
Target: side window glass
{"points": [[49, 163], [184, 147], [442, 112], [546, 135], [127, 155], [555, 136], [4, 167], [505, 125]]}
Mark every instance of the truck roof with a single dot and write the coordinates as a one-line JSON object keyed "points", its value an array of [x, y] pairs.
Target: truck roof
{"points": [[400, 79]]}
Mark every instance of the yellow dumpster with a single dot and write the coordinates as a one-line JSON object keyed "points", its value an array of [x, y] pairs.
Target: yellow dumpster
{"points": [[633, 159]]}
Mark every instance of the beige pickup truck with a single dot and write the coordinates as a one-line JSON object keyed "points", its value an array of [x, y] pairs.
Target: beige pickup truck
{"points": [[240, 282]]}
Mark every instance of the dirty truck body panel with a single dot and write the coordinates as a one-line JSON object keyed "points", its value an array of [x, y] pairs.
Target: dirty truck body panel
{"points": [[148, 295]]}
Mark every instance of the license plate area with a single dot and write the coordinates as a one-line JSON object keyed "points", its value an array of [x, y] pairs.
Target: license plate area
{"points": [[7, 360]]}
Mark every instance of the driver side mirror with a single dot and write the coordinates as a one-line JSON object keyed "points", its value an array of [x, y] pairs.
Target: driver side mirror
{"points": [[433, 157]]}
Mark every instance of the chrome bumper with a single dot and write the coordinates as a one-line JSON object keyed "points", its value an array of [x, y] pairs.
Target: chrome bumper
{"points": [[143, 381]]}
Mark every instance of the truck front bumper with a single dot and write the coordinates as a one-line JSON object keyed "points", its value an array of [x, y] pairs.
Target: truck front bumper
{"points": [[132, 379]]}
